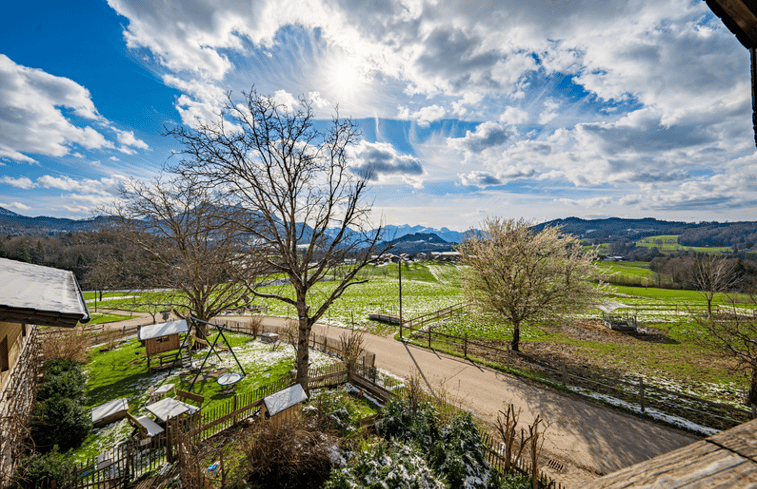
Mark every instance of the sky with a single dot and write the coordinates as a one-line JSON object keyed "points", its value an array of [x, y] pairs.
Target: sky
{"points": [[467, 109]]}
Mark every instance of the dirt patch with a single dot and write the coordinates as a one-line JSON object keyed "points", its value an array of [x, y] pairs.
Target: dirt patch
{"points": [[595, 330]]}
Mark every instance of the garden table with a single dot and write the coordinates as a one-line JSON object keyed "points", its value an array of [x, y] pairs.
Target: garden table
{"points": [[169, 407]]}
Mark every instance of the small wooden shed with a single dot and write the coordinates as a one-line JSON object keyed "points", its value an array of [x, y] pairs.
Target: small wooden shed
{"points": [[161, 338], [283, 405]]}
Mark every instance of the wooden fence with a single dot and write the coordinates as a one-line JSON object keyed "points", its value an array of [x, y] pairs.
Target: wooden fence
{"points": [[332, 346], [494, 452], [420, 321], [701, 411]]}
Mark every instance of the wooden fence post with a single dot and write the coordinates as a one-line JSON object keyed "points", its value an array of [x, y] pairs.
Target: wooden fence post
{"points": [[235, 407], [429, 337], [465, 345], [564, 373], [641, 393]]}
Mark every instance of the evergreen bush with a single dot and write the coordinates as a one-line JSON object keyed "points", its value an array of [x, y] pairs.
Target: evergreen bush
{"points": [[38, 470]]}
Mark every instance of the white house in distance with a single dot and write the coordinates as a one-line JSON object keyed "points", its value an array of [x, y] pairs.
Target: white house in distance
{"points": [[30, 296]]}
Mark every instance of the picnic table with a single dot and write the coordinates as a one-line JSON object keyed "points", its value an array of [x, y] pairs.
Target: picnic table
{"points": [[169, 407]]}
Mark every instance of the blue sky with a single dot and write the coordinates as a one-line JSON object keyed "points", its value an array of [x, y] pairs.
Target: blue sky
{"points": [[468, 109]]}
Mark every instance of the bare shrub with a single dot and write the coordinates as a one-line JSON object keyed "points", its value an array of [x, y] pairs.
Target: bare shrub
{"points": [[256, 322], [190, 472], [414, 393], [69, 344], [513, 445], [291, 454], [351, 346], [291, 332]]}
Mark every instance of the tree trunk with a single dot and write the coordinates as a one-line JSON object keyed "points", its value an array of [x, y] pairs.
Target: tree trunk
{"points": [[709, 308], [752, 396], [303, 353], [516, 337]]}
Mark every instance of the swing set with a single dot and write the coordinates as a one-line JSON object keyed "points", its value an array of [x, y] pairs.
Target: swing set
{"points": [[200, 334]]}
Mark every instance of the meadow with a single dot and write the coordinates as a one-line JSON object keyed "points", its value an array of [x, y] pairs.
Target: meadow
{"points": [[664, 351]]}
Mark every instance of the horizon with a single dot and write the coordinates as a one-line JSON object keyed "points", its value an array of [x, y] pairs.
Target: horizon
{"points": [[467, 110]]}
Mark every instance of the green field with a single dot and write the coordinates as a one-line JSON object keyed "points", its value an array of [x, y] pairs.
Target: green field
{"points": [[669, 244], [428, 287]]}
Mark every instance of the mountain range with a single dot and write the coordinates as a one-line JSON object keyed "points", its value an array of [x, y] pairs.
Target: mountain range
{"points": [[740, 234]]}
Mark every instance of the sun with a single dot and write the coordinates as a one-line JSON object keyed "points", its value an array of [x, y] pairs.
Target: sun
{"points": [[346, 78]]}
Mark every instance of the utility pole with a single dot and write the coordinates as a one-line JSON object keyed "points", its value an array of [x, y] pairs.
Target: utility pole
{"points": [[399, 266]]}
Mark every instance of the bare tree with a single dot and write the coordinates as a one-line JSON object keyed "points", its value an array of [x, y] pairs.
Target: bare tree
{"points": [[712, 274], [187, 236], [733, 335], [295, 195], [522, 275]]}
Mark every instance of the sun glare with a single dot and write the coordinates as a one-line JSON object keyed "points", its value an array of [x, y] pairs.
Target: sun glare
{"points": [[346, 78]]}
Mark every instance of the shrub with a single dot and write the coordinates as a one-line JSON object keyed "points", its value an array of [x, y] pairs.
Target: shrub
{"points": [[289, 454], [333, 411], [410, 422], [68, 384], [459, 455], [68, 345], [59, 421], [36, 470], [389, 465]]}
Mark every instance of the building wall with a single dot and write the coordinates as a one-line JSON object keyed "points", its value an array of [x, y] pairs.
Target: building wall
{"points": [[17, 394], [12, 334]]}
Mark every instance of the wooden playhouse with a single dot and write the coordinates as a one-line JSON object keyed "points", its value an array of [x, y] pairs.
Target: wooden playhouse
{"points": [[163, 342]]}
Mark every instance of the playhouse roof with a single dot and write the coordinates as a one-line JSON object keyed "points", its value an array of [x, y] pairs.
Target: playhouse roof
{"points": [[284, 399], [34, 294], [163, 329]]}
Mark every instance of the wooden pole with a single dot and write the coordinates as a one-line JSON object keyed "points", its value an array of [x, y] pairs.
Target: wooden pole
{"points": [[465, 345], [641, 393]]}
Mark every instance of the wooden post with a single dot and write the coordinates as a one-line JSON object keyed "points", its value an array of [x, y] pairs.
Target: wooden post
{"points": [[429, 337], [169, 441], [235, 407], [465, 345], [223, 472], [641, 393], [564, 373]]}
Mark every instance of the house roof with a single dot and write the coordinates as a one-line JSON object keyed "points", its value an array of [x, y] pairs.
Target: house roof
{"points": [[726, 459], [163, 329], [46, 296], [740, 16]]}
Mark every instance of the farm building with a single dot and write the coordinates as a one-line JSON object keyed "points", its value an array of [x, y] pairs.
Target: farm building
{"points": [[161, 338], [30, 295]]}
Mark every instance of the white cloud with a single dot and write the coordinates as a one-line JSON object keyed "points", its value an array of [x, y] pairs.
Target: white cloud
{"points": [[429, 114], [32, 120], [127, 138], [513, 116], [21, 182], [282, 97], [15, 205], [382, 163], [550, 113]]}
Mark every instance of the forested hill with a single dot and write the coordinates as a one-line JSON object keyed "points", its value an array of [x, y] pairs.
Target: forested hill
{"points": [[742, 235]]}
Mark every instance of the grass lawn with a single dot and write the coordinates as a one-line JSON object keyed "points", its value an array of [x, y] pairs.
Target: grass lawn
{"points": [[122, 373], [104, 317]]}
